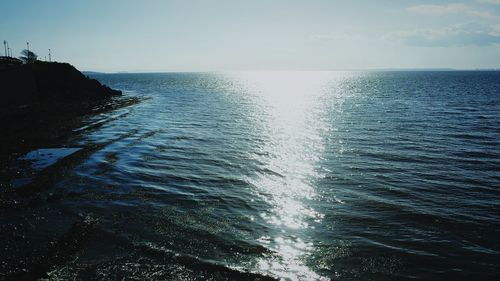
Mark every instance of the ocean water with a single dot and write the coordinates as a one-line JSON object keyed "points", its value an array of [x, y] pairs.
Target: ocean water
{"points": [[289, 175]]}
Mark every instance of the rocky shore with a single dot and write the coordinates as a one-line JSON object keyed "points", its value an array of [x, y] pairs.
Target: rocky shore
{"points": [[43, 107], [31, 85], [42, 102]]}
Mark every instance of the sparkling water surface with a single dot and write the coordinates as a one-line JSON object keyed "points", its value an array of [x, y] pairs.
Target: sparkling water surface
{"points": [[293, 175]]}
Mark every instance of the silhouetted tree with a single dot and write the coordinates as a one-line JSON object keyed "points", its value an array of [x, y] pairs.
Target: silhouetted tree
{"points": [[28, 56]]}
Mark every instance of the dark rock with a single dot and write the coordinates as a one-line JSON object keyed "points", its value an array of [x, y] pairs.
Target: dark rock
{"points": [[8, 62], [43, 102], [61, 81], [47, 82], [17, 87]]}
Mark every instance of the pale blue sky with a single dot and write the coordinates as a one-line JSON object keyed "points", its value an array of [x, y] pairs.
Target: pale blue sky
{"points": [[202, 35]]}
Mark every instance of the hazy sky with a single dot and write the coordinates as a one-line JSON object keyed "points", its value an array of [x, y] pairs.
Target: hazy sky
{"points": [[204, 35]]}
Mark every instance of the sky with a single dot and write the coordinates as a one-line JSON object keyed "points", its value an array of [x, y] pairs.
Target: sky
{"points": [[225, 35]]}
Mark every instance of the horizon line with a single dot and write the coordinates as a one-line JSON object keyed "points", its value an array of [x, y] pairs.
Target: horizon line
{"points": [[409, 69]]}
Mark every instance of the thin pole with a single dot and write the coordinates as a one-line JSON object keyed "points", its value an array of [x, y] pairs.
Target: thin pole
{"points": [[50, 58], [5, 47], [28, 54]]}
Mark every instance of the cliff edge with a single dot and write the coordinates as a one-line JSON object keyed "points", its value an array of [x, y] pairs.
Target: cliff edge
{"points": [[40, 83], [43, 102]]}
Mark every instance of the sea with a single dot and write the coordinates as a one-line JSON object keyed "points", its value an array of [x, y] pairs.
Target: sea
{"points": [[355, 175]]}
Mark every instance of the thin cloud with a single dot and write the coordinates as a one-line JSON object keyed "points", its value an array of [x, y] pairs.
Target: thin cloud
{"points": [[338, 35], [429, 9], [454, 8], [470, 34], [489, 1]]}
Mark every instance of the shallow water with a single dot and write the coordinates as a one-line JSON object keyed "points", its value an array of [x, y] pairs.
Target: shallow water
{"points": [[292, 175]]}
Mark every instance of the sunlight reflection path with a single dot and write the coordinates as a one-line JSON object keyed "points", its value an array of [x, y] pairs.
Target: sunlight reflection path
{"points": [[290, 105]]}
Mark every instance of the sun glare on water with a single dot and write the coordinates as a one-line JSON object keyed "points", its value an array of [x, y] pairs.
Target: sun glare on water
{"points": [[291, 106]]}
